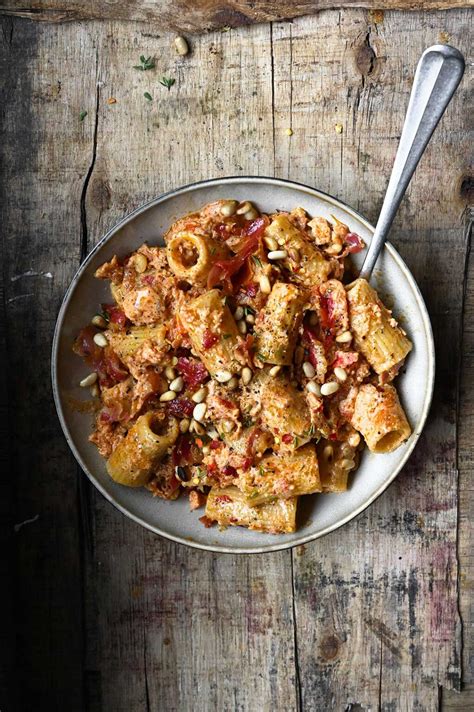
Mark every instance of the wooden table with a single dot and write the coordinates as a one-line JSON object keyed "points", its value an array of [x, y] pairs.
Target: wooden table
{"points": [[108, 616]]}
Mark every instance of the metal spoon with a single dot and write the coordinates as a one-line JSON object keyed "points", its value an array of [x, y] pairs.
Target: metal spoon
{"points": [[437, 76]]}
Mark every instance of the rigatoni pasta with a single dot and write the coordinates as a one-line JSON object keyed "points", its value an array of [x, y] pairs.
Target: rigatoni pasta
{"points": [[236, 366]]}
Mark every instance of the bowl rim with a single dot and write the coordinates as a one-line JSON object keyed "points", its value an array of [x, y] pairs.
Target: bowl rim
{"points": [[229, 180]]}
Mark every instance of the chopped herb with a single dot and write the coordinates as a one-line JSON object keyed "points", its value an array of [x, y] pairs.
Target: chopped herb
{"points": [[261, 471], [226, 336], [248, 310], [82, 115], [148, 96], [247, 421], [261, 357], [257, 261], [167, 82], [254, 494], [295, 441], [145, 63]]}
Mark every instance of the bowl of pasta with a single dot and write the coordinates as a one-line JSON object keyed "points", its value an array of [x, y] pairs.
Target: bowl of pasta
{"points": [[224, 377]]}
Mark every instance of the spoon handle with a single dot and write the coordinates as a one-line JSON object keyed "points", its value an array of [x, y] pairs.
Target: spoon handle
{"points": [[437, 76]]}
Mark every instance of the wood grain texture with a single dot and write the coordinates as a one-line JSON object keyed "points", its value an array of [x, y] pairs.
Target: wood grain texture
{"points": [[201, 15], [366, 618]]}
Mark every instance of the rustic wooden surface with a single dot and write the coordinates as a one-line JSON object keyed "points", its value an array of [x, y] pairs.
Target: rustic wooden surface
{"points": [[110, 617], [201, 15]]}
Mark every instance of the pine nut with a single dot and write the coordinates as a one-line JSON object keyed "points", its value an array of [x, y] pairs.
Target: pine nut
{"points": [[95, 391], [140, 263], [170, 373], [277, 255], [313, 319], [181, 46], [199, 412], [313, 388], [100, 340], [174, 360], [250, 319], [340, 373], [88, 380], [244, 208], [229, 208], [251, 214], [299, 355], [246, 375], [239, 313], [228, 426], [271, 243], [223, 376], [334, 249], [309, 370], [353, 439], [281, 241], [213, 434], [206, 450], [184, 425], [328, 452], [177, 385], [344, 338], [99, 321], [294, 254], [265, 285], [167, 396], [196, 427], [347, 464], [327, 389], [242, 326], [233, 383], [200, 395], [275, 370]]}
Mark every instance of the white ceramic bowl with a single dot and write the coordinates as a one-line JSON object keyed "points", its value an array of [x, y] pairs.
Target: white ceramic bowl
{"points": [[319, 514]]}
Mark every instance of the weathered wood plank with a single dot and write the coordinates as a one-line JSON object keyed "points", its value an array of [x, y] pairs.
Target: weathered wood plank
{"points": [[376, 602], [188, 626], [202, 15], [45, 154]]}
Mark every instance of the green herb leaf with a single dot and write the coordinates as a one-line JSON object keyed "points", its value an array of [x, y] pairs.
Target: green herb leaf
{"points": [[226, 336], [261, 357], [148, 96], [257, 261], [167, 82], [145, 63], [82, 115]]}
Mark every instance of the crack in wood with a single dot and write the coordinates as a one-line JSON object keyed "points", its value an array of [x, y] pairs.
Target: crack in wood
{"points": [[83, 209]]}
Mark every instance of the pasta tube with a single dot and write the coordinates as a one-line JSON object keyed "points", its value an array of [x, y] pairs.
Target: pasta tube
{"points": [[281, 476], [285, 411], [380, 418], [336, 460], [190, 256], [229, 507], [213, 332], [312, 267], [125, 344], [276, 327], [133, 460], [376, 333]]}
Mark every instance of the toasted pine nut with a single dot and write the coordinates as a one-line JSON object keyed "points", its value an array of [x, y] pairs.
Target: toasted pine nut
{"points": [[239, 313], [309, 370], [277, 255], [327, 389], [353, 439], [328, 452], [177, 385], [275, 370], [223, 376], [244, 208], [299, 355], [181, 46], [229, 208], [200, 395], [88, 380], [206, 450], [271, 243], [250, 319], [170, 373], [334, 249], [100, 340], [313, 388], [167, 396], [140, 263], [95, 391], [340, 373], [228, 426], [242, 326], [246, 375], [281, 241], [265, 285], [196, 427], [174, 360], [213, 434], [184, 425], [344, 338], [98, 320], [294, 254], [347, 464], [199, 412], [251, 214], [233, 383]]}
